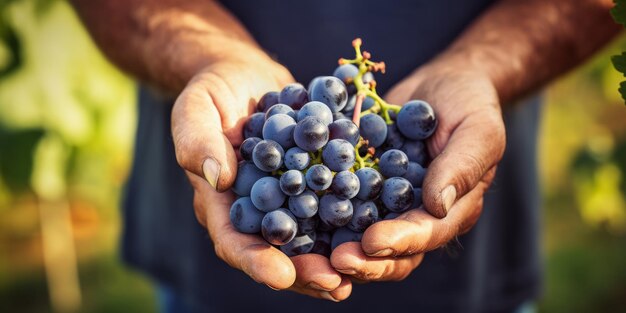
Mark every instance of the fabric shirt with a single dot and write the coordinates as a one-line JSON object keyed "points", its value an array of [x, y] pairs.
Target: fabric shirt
{"points": [[493, 268]]}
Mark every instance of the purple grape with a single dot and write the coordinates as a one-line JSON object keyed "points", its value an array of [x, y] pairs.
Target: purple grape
{"points": [[294, 95], [397, 194], [254, 126], [310, 134], [329, 90], [266, 194], [304, 205], [245, 217], [393, 163], [344, 129], [345, 185], [247, 146], [334, 211], [268, 100], [370, 182], [279, 227], [416, 120]]}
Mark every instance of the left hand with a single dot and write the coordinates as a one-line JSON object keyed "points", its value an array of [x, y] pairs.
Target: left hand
{"points": [[466, 147]]}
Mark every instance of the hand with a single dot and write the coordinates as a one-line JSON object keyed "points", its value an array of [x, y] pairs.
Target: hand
{"points": [[207, 121], [465, 148]]}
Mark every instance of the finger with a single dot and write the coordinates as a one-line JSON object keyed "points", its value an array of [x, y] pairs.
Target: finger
{"points": [[249, 253], [314, 271], [417, 231], [474, 147], [349, 258], [342, 292], [200, 144]]}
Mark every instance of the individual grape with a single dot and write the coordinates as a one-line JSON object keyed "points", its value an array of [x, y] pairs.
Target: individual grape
{"points": [[307, 225], [316, 109], [266, 194], [365, 214], [304, 205], [301, 244], [254, 126], [247, 175], [370, 182], [397, 194], [338, 155], [417, 198], [268, 155], [415, 150], [268, 100], [351, 103], [313, 81], [393, 163], [331, 91], [346, 73], [415, 174], [294, 95], [416, 120], [343, 235], [345, 185], [322, 243], [247, 146], [297, 159], [245, 217], [339, 116], [318, 177], [395, 139], [280, 128], [334, 211], [373, 129], [292, 182], [344, 129], [310, 134], [280, 109], [279, 227], [368, 103]]}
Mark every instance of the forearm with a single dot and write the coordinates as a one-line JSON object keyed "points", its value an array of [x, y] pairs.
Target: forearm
{"points": [[521, 45], [165, 42]]}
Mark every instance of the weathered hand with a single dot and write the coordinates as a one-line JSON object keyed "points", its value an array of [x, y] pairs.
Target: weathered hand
{"points": [[466, 147], [207, 121]]}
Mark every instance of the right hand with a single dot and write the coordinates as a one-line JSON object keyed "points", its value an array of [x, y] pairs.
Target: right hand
{"points": [[207, 123]]}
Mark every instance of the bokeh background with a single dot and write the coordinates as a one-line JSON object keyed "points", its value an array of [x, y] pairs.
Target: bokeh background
{"points": [[67, 121]]}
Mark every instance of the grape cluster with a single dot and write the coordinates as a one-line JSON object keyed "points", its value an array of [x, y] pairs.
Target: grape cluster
{"points": [[321, 164]]}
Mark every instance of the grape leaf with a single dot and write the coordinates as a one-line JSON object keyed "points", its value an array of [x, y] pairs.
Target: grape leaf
{"points": [[619, 12], [619, 61]]}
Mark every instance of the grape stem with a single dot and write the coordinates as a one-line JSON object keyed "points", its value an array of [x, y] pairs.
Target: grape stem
{"points": [[364, 65]]}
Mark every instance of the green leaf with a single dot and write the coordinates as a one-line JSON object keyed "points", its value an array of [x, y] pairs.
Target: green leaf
{"points": [[619, 12], [16, 157], [622, 90]]}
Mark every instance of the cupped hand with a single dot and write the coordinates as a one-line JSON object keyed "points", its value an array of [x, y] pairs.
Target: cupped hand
{"points": [[465, 149], [207, 122]]}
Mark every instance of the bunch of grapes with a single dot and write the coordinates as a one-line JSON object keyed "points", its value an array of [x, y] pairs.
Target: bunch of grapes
{"points": [[321, 164]]}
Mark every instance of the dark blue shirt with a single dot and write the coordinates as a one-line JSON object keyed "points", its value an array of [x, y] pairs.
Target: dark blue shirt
{"points": [[493, 268]]}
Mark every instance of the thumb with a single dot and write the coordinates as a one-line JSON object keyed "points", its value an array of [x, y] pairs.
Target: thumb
{"points": [[474, 147], [201, 146]]}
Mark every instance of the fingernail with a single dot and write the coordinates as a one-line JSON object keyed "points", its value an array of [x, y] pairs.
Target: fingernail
{"points": [[383, 252], [326, 295], [270, 287], [346, 271], [316, 286], [448, 196], [211, 171]]}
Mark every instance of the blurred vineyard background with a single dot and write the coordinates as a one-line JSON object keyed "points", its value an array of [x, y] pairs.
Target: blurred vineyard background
{"points": [[67, 119]]}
